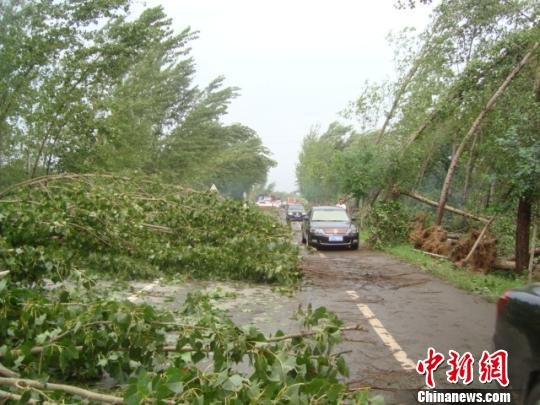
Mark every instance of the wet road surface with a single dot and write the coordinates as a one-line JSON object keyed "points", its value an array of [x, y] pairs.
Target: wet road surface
{"points": [[402, 310]]}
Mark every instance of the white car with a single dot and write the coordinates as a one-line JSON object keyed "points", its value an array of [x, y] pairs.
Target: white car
{"points": [[265, 204]]}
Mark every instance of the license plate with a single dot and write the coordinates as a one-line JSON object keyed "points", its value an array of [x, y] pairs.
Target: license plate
{"points": [[335, 238]]}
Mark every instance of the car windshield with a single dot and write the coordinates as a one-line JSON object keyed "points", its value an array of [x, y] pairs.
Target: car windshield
{"points": [[329, 215], [296, 208]]}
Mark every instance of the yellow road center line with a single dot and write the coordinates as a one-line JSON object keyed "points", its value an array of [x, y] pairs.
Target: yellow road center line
{"points": [[388, 340]]}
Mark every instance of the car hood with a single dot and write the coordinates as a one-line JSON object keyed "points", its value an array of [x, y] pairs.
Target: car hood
{"points": [[330, 224]]}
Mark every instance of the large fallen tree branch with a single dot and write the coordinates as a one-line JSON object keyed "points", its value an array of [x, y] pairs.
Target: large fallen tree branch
{"points": [[448, 208], [279, 338], [16, 397], [305, 334], [498, 264], [509, 265], [6, 372], [36, 350], [52, 177], [173, 348], [535, 252], [23, 383], [432, 254]]}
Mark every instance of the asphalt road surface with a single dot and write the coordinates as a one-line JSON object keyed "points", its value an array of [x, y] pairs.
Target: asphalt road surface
{"points": [[403, 311]]}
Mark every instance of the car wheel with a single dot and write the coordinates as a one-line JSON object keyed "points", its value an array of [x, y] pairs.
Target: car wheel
{"points": [[534, 395], [354, 246], [303, 238]]}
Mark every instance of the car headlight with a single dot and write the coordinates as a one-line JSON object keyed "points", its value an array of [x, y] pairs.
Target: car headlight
{"points": [[352, 229], [317, 231]]}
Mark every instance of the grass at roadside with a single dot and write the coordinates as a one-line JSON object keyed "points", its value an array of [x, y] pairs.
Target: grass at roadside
{"points": [[489, 286]]}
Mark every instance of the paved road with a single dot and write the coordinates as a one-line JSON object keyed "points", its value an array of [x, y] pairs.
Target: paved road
{"points": [[403, 312]]}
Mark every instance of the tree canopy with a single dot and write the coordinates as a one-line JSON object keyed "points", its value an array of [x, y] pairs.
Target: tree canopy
{"points": [[460, 124], [88, 86]]}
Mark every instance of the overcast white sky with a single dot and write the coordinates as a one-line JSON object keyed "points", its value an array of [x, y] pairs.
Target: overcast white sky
{"points": [[297, 63]]}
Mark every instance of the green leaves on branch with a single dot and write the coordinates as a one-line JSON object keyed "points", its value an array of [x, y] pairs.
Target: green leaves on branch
{"points": [[138, 228], [56, 336], [387, 224]]}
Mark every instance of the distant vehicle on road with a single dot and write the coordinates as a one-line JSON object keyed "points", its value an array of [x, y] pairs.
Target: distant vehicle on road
{"points": [[295, 212], [265, 204], [329, 226], [291, 200], [518, 332], [265, 201]]}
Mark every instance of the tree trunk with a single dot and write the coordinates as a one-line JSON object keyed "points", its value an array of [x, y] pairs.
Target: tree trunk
{"points": [[475, 126], [374, 196], [522, 233], [425, 165], [489, 195], [468, 173], [537, 83], [397, 97], [422, 173], [414, 136], [531, 254]]}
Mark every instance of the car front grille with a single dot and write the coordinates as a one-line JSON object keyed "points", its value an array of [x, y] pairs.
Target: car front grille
{"points": [[335, 231]]}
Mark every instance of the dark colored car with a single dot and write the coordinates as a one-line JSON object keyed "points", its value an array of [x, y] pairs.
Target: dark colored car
{"points": [[329, 226], [518, 332], [295, 212]]}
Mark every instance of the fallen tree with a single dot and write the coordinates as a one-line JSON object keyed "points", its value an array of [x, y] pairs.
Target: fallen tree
{"points": [[82, 338], [138, 228], [498, 264], [535, 252]]}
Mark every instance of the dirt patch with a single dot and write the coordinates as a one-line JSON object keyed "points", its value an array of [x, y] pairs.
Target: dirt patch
{"points": [[365, 271]]}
